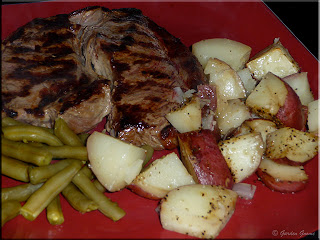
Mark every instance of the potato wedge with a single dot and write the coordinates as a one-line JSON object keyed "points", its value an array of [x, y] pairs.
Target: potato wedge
{"points": [[282, 177], [291, 144], [228, 83], [283, 172], [300, 84], [249, 82], [276, 59], [232, 115], [313, 116], [115, 163], [234, 53], [188, 117], [197, 210], [274, 99], [160, 177], [243, 154], [262, 126], [202, 157]]}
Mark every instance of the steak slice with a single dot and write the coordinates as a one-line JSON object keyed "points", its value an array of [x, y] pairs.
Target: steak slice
{"points": [[145, 63], [43, 78]]}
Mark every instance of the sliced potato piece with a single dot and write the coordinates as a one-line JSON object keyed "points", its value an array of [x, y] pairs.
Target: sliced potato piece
{"points": [[300, 84], [268, 96], [313, 116], [249, 82], [283, 172], [197, 210], [232, 115], [274, 58], [115, 163], [262, 126], [202, 157], [188, 117], [234, 53], [161, 176], [290, 143], [226, 81], [243, 154]]}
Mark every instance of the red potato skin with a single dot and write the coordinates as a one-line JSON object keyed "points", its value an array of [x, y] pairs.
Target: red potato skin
{"points": [[289, 162], [203, 159], [139, 191], [280, 186], [292, 114]]}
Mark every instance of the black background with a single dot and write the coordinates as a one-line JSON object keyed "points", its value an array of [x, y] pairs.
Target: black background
{"points": [[302, 19]]}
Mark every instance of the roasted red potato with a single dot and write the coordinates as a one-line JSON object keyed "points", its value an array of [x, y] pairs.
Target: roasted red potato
{"points": [[161, 176], [274, 99], [203, 159], [291, 146], [281, 177]]}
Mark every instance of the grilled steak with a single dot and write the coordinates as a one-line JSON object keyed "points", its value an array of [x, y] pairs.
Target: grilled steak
{"points": [[143, 62], [43, 78]]}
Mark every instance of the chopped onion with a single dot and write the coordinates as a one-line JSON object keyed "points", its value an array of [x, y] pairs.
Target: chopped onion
{"points": [[208, 122], [157, 209], [180, 96], [244, 190], [189, 94]]}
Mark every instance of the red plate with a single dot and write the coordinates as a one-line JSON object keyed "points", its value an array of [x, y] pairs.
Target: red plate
{"points": [[269, 214]]}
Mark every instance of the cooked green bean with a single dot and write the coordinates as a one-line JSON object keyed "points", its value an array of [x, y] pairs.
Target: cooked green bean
{"points": [[106, 206], [87, 171], [78, 200], [25, 152], [30, 133], [150, 151], [40, 199], [65, 134], [99, 186], [41, 174], [83, 138], [14, 168], [54, 212], [19, 193], [8, 121], [9, 210], [67, 152]]}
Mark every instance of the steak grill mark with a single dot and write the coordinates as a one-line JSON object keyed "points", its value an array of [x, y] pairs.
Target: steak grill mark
{"points": [[63, 64]]}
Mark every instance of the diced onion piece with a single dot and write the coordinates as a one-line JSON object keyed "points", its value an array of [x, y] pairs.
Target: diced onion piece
{"points": [[244, 190]]}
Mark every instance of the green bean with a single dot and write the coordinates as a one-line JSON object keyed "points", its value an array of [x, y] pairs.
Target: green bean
{"points": [[19, 193], [41, 174], [14, 168], [40, 199], [67, 152], [25, 152], [31, 133], [9, 210], [87, 171], [150, 151], [106, 206], [8, 121], [54, 212], [65, 134], [83, 138], [99, 186], [78, 200]]}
